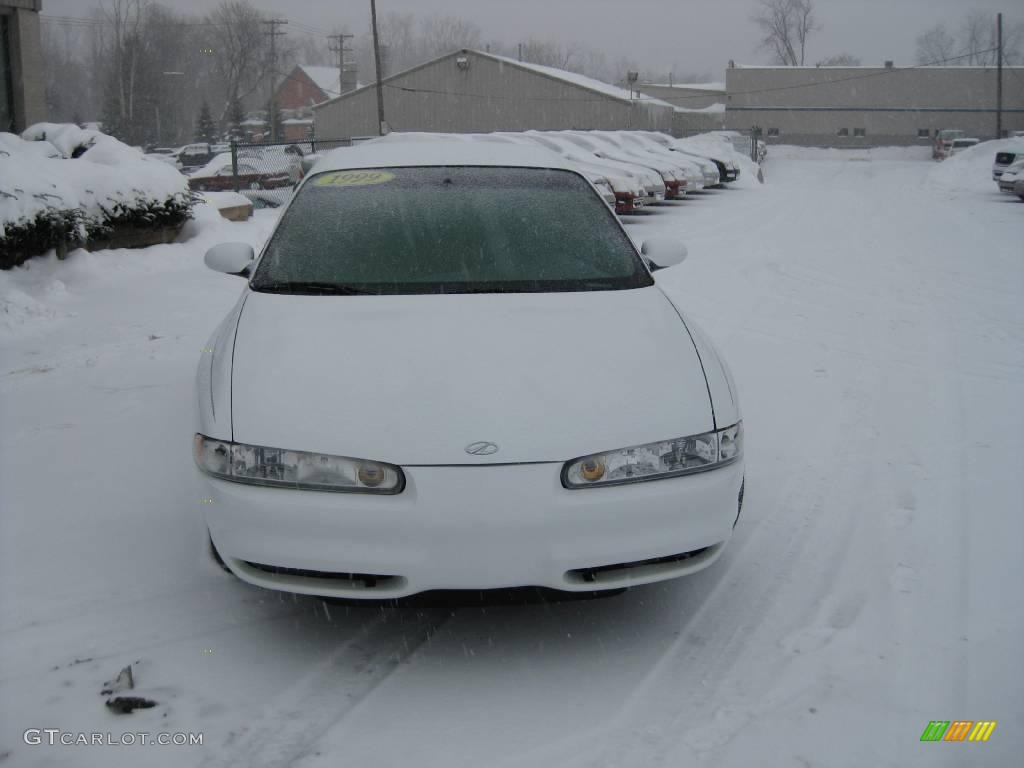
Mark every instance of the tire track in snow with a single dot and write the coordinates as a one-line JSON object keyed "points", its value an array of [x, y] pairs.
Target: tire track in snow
{"points": [[781, 575], [299, 715]]}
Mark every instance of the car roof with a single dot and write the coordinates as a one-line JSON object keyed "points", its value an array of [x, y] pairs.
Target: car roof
{"points": [[424, 149]]}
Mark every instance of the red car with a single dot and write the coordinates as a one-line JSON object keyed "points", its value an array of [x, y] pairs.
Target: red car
{"points": [[249, 177]]}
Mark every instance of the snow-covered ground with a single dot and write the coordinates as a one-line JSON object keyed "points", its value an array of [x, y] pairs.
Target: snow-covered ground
{"points": [[873, 317]]}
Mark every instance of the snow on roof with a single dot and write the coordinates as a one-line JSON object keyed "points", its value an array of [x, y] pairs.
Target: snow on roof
{"points": [[713, 109], [579, 80], [424, 149], [327, 79], [690, 86]]}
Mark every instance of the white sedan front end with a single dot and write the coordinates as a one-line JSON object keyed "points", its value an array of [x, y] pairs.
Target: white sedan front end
{"points": [[495, 394]]}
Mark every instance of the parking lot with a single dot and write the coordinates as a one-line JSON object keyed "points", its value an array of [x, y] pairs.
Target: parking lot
{"points": [[873, 321]]}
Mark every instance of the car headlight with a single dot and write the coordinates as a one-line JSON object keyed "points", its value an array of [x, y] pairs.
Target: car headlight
{"points": [[301, 470], [656, 461]]}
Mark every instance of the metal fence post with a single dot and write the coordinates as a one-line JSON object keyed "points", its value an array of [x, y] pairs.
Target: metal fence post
{"points": [[755, 137], [234, 163]]}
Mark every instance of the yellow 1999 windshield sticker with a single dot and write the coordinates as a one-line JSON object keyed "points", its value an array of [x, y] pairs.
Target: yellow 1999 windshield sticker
{"points": [[352, 178]]}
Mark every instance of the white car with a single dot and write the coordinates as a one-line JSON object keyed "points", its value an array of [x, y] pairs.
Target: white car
{"points": [[1005, 158], [450, 368], [1010, 176]]}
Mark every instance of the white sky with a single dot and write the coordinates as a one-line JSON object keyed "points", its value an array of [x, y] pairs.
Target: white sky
{"points": [[691, 35]]}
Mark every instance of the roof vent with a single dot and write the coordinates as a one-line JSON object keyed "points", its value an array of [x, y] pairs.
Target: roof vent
{"points": [[888, 64]]}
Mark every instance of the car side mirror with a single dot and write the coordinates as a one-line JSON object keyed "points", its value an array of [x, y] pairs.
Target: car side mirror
{"points": [[230, 258], [661, 252]]}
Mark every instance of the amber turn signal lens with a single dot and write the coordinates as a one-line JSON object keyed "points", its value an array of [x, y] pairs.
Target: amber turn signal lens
{"points": [[592, 469], [371, 475]]}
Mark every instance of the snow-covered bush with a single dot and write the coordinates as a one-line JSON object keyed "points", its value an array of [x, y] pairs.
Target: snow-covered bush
{"points": [[62, 186]]}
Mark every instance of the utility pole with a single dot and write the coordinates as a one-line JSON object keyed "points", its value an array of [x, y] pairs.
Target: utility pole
{"points": [[274, 33], [999, 75], [381, 125], [341, 50]]}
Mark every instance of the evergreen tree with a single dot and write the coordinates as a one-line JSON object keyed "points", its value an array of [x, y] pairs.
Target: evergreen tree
{"points": [[206, 129]]}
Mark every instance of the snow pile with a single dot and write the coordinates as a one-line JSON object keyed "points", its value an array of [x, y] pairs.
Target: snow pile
{"points": [[971, 169], [65, 185]]}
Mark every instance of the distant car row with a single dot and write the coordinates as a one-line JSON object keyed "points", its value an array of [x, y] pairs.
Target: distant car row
{"points": [[631, 169]]}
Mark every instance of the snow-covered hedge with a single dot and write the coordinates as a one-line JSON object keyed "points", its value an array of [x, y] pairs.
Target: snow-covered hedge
{"points": [[62, 186]]}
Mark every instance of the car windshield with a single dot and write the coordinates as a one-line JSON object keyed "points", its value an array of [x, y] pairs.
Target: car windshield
{"points": [[448, 230]]}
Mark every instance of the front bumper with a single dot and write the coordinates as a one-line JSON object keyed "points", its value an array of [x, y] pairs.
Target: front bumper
{"points": [[480, 527]]}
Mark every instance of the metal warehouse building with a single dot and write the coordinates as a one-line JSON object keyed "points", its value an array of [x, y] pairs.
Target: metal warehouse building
{"points": [[472, 91], [861, 106]]}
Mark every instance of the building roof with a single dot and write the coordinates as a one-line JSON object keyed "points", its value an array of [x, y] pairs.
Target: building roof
{"points": [[398, 150], [327, 79], [713, 87], [572, 78], [580, 81]]}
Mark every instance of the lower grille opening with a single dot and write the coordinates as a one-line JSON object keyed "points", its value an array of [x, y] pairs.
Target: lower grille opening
{"points": [[618, 571], [363, 580]]}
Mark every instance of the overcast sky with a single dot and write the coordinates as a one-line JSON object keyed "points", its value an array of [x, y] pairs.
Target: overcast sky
{"points": [[688, 35]]}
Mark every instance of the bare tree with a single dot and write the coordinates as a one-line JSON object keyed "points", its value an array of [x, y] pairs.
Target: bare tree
{"points": [[978, 39], [241, 57], [935, 46], [443, 34], [785, 26], [975, 44], [120, 44]]}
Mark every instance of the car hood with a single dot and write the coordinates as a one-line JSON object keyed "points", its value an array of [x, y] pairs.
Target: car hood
{"points": [[415, 379]]}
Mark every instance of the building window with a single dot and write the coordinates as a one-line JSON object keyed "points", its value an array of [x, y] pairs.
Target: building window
{"points": [[843, 132], [859, 132], [773, 131], [923, 133]]}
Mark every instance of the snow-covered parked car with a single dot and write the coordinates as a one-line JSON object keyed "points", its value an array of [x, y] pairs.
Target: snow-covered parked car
{"points": [[706, 169], [708, 146], [1009, 178], [651, 182], [672, 177], [624, 193], [450, 368], [1005, 158]]}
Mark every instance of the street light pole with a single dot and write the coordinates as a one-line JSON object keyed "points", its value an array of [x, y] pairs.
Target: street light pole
{"points": [[381, 125]]}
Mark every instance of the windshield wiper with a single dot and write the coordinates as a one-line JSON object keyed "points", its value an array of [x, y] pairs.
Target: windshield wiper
{"points": [[313, 287]]}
